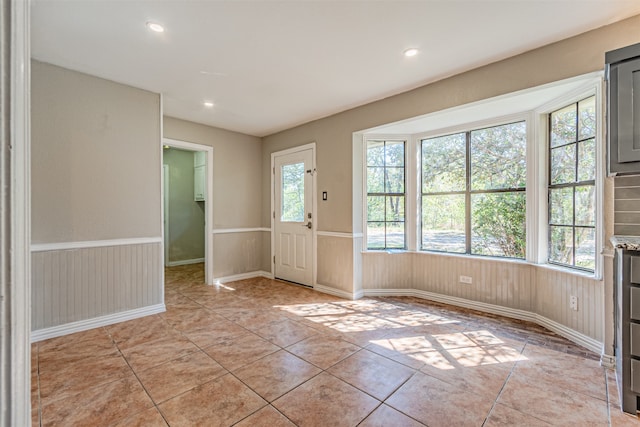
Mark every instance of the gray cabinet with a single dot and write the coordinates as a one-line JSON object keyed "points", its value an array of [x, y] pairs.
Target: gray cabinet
{"points": [[623, 76], [627, 324]]}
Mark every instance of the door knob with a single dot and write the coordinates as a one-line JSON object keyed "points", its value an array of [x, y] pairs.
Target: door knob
{"points": [[309, 225]]}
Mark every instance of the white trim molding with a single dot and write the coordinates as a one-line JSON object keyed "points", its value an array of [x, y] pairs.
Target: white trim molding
{"points": [[209, 256], [337, 292], [96, 322], [61, 246], [185, 262], [336, 234], [562, 330], [15, 214], [242, 276], [240, 230]]}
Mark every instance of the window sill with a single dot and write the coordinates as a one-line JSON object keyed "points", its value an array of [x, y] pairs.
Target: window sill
{"points": [[546, 266]]}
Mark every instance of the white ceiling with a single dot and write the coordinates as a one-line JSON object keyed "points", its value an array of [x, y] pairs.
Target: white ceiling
{"points": [[270, 65]]}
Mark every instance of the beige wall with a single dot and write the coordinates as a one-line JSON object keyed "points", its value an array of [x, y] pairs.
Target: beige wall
{"points": [[334, 141], [95, 158], [237, 175], [237, 171], [333, 135], [95, 176], [186, 216]]}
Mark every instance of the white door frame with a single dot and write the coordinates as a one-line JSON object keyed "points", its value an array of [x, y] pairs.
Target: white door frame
{"points": [[208, 205], [165, 208], [314, 210]]}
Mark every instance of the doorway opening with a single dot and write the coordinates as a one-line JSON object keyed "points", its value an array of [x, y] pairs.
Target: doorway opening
{"points": [[187, 177], [293, 219]]}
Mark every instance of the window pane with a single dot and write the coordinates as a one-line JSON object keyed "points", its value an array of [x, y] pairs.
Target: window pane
{"points": [[586, 248], [563, 126], [375, 180], [394, 181], [561, 206], [395, 235], [395, 208], [375, 235], [563, 164], [444, 163], [394, 153], [587, 160], [498, 224], [585, 205], [375, 153], [293, 193], [587, 118], [443, 223], [375, 208], [561, 245], [498, 157]]}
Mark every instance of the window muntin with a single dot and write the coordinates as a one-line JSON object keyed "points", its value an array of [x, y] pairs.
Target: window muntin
{"points": [[473, 191], [571, 192], [386, 194]]}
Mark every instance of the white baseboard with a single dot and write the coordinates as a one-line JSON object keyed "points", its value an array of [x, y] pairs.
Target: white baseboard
{"points": [[608, 361], [513, 313], [185, 262], [335, 292], [243, 276], [96, 322]]}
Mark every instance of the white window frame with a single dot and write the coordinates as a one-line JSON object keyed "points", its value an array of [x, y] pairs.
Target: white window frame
{"points": [[593, 88], [470, 127], [409, 203], [536, 185]]}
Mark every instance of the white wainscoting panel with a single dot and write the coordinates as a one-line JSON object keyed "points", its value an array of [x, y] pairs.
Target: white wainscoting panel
{"points": [[73, 285], [516, 287]]}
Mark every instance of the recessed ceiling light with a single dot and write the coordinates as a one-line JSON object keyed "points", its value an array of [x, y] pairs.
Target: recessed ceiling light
{"points": [[411, 52], [208, 104], [154, 26]]}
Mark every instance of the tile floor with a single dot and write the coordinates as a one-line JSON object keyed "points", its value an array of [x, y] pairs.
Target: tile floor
{"points": [[266, 353]]}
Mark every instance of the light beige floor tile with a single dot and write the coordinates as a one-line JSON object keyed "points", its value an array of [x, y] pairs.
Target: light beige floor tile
{"points": [[172, 378], [436, 403], [504, 416], [385, 416], [322, 350], [99, 405], [326, 400], [221, 402], [276, 374], [241, 350], [266, 417], [546, 401], [371, 373]]}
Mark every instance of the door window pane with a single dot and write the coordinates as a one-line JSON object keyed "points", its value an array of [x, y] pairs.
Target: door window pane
{"points": [[293, 193]]}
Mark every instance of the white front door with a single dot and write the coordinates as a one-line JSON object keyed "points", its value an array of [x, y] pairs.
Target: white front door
{"points": [[294, 216]]}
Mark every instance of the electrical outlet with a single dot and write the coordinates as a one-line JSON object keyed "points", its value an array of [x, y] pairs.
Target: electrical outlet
{"points": [[466, 279], [573, 302]]}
